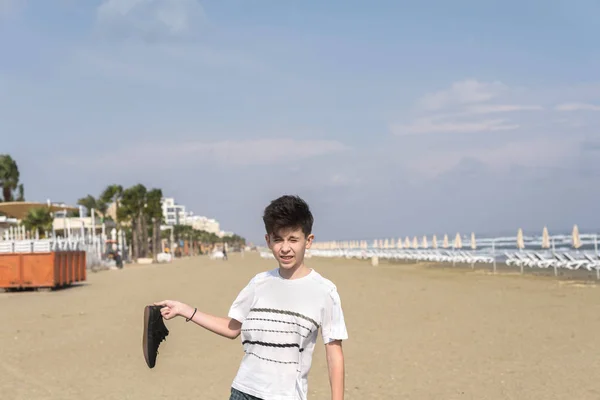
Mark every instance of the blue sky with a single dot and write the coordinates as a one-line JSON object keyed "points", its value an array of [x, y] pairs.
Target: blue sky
{"points": [[391, 119]]}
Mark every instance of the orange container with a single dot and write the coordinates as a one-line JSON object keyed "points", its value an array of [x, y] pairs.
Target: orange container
{"points": [[58, 261], [63, 265], [76, 266], [83, 266], [42, 269], [70, 266], [39, 270], [10, 270]]}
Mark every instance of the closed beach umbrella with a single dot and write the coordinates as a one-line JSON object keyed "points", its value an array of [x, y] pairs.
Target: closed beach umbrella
{"points": [[399, 244], [407, 242], [392, 244], [434, 242], [473, 241], [446, 243], [545, 239], [415, 243], [424, 243], [457, 241], [520, 240], [575, 236]]}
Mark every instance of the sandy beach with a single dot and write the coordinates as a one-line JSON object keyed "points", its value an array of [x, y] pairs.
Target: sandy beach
{"points": [[416, 332]]}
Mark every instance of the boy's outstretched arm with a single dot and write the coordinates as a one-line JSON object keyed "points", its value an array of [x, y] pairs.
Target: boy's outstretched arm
{"points": [[335, 365], [227, 327]]}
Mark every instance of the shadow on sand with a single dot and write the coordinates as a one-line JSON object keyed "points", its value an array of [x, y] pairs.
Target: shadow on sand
{"points": [[73, 286]]}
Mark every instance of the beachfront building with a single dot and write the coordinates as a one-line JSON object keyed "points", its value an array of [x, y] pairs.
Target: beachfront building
{"points": [[19, 209], [202, 223], [173, 213], [11, 213], [80, 226], [176, 214]]}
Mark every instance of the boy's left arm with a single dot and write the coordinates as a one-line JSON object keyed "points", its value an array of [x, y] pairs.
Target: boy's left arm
{"points": [[335, 365]]}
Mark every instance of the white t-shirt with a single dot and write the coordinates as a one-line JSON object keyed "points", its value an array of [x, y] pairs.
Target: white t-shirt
{"points": [[280, 321]]}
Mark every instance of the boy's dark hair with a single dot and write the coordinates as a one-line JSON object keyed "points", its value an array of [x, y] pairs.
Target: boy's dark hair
{"points": [[288, 212]]}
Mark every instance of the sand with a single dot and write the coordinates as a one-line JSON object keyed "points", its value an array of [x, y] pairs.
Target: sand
{"points": [[416, 332]]}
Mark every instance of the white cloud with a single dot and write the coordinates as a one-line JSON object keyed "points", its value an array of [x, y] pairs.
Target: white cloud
{"points": [[431, 125], [150, 20], [577, 107], [463, 92], [227, 153], [459, 108], [479, 107], [501, 108]]}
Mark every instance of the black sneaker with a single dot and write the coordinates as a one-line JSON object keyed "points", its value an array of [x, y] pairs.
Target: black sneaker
{"points": [[155, 332]]}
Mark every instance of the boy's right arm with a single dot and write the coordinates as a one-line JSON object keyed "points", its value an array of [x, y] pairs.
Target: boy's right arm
{"points": [[227, 327]]}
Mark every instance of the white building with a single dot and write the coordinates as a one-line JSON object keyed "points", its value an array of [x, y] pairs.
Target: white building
{"points": [[203, 223], [174, 213]]}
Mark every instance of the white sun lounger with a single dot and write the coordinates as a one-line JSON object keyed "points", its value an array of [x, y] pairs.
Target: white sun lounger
{"points": [[574, 263]]}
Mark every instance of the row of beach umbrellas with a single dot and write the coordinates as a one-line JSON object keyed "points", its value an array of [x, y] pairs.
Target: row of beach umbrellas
{"points": [[407, 243], [415, 243]]}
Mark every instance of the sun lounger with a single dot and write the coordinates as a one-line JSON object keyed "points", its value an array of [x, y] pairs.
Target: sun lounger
{"points": [[574, 263]]}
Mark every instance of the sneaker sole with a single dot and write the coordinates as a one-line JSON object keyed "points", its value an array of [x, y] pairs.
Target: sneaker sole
{"points": [[145, 337]]}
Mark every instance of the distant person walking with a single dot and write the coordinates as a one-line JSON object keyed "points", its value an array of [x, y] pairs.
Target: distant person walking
{"points": [[225, 251]]}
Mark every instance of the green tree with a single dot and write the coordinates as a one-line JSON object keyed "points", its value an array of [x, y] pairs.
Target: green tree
{"points": [[235, 240], [38, 219], [20, 193], [9, 179], [89, 202], [112, 194], [154, 215], [132, 210]]}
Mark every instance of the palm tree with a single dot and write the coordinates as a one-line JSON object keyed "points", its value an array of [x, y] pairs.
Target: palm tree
{"points": [[89, 202], [9, 179], [154, 215], [235, 241], [112, 194], [20, 193], [92, 203], [38, 219], [131, 210]]}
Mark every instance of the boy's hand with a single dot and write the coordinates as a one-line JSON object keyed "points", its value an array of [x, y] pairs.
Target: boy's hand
{"points": [[172, 308]]}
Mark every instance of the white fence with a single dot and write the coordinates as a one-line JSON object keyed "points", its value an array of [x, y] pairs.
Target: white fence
{"points": [[95, 249]]}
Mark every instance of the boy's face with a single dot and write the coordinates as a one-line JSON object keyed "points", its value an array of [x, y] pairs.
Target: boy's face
{"points": [[288, 246]]}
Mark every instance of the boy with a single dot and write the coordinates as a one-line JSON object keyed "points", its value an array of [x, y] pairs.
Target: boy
{"points": [[279, 314]]}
